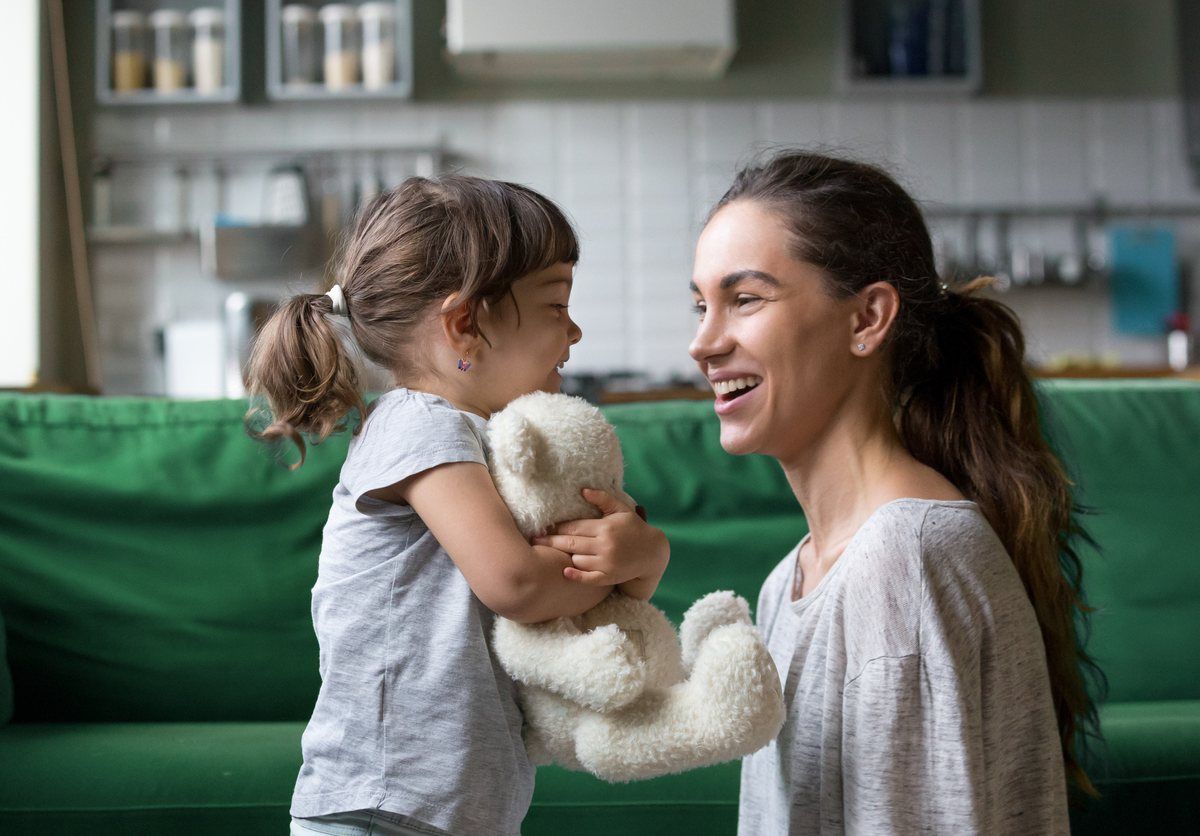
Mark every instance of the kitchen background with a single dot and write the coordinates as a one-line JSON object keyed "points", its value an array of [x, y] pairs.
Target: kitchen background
{"points": [[1055, 159]]}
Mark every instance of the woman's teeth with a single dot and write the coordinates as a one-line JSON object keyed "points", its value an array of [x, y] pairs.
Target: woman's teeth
{"points": [[729, 387]]}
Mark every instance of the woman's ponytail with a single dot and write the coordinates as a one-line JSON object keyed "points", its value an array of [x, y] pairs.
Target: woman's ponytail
{"points": [[967, 408], [308, 377]]}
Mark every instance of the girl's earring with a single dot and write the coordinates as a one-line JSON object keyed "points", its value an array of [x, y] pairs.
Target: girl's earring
{"points": [[861, 346], [464, 364]]}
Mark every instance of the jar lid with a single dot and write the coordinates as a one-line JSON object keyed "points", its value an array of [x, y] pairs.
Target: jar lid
{"points": [[338, 13], [298, 13], [167, 17], [128, 19], [377, 11], [207, 16]]}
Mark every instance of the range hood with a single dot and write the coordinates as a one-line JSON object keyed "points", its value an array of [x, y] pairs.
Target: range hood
{"points": [[586, 39]]}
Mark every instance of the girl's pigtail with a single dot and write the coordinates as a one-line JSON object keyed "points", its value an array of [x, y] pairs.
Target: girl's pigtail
{"points": [[969, 410], [302, 368]]}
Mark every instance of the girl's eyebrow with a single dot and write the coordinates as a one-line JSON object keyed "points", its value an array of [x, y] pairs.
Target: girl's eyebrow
{"points": [[567, 282], [733, 278]]}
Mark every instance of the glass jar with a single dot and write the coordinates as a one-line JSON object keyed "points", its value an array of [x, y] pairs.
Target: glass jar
{"points": [[128, 51], [340, 22], [208, 49], [170, 50], [299, 24], [378, 44]]}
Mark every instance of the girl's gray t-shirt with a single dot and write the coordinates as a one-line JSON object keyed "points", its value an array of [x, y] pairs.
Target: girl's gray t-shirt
{"points": [[918, 698], [414, 715]]}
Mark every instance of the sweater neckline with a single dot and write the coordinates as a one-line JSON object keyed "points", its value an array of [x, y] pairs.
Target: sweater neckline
{"points": [[798, 605]]}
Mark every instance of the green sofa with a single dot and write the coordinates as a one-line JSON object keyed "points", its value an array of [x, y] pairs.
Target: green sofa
{"points": [[155, 568]]}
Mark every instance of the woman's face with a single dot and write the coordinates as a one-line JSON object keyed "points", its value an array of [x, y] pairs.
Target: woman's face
{"points": [[776, 347]]}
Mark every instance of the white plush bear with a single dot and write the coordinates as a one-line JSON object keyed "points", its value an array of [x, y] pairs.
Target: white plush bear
{"points": [[614, 691]]}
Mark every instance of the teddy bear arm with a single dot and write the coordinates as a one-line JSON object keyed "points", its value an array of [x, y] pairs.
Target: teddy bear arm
{"points": [[599, 669]]}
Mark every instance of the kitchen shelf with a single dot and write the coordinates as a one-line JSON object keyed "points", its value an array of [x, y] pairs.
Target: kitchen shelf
{"points": [[910, 46], [402, 71], [129, 235], [230, 91]]}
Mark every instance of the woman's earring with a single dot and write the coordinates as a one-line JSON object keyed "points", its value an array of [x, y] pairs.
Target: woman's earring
{"points": [[861, 346], [464, 364]]}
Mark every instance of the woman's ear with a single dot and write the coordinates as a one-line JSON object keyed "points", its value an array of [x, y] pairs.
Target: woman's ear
{"points": [[458, 325], [874, 313]]}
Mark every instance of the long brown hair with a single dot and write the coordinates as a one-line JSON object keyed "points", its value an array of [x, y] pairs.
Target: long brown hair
{"points": [[412, 246], [961, 393]]}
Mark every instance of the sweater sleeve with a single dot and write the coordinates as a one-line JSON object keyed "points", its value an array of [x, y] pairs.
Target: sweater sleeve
{"points": [[912, 754]]}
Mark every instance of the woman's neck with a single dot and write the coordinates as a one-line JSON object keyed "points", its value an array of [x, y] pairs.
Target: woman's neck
{"points": [[842, 479]]}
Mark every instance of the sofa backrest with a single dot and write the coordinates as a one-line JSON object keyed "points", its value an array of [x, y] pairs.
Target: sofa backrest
{"points": [[156, 563]]}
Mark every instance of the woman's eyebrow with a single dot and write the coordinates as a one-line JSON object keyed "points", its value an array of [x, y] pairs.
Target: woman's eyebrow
{"points": [[732, 279]]}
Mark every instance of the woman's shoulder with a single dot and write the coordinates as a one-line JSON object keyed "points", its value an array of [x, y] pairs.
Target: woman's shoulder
{"points": [[890, 557]]}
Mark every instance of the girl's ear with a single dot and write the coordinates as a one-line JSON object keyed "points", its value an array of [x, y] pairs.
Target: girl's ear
{"points": [[875, 311], [460, 332]]}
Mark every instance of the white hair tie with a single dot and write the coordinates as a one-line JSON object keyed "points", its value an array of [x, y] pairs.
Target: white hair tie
{"points": [[338, 298]]}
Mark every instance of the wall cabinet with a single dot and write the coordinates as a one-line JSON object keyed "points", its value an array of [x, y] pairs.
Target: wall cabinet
{"points": [[890, 46], [153, 52], [168, 51], [330, 51]]}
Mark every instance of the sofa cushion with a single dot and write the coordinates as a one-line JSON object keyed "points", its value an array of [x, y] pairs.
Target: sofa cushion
{"points": [[155, 562], [6, 685], [232, 778], [1147, 769], [118, 778], [1131, 446]]}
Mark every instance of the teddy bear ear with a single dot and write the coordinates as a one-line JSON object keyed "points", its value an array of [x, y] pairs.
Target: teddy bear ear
{"points": [[526, 446]]}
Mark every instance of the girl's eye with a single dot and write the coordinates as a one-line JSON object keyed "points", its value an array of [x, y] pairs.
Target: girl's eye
{"points": [[746, 300], [698, 309]]}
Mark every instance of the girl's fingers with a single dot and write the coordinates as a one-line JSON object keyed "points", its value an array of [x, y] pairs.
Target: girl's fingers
{"points": [[569, 543], [588, 528], [606, 502], [587, 578], [587, 562]]}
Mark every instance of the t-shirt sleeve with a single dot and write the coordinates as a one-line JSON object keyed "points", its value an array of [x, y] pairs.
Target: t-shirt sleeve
{"points": [[912, 753], [956, 734], [407, 439]]}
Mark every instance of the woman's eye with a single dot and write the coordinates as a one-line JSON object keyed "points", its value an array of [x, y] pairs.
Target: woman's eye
{"points": [[698, 309], [746, 300]]}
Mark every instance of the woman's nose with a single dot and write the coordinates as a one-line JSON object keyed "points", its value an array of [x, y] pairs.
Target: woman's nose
{"points": [[711, 340], [574, 332]]}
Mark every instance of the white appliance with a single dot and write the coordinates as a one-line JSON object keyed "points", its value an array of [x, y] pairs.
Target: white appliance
{"points": [[586, 39]]}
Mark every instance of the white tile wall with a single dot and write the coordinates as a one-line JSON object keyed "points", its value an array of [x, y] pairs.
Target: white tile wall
{"points": [[638, 177]]}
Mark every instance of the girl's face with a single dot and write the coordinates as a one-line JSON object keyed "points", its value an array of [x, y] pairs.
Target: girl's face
{"points": [[776, 347], [531, 334]]}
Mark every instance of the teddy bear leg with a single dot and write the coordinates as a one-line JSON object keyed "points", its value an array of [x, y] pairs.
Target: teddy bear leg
{"points": [[731, 706], [549, 729], [707, 614], [650, 629]]}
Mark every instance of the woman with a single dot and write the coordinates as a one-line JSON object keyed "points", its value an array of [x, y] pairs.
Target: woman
{"points": [[925, 628]]}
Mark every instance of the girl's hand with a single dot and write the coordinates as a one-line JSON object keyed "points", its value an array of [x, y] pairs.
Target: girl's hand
{"points": [[619, 549]]}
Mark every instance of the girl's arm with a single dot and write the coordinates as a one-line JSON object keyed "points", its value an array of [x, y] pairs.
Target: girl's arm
{"points": [[459, 503]]}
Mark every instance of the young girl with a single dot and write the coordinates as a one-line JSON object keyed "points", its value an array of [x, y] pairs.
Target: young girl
{"points": [[925, 629], [459, 286]]}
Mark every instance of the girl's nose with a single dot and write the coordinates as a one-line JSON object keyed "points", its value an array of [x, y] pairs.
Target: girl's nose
{"points": [[574, 333]]}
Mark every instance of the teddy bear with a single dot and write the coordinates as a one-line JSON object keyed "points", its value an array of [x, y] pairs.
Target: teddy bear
{"points": [[615, 691]]}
